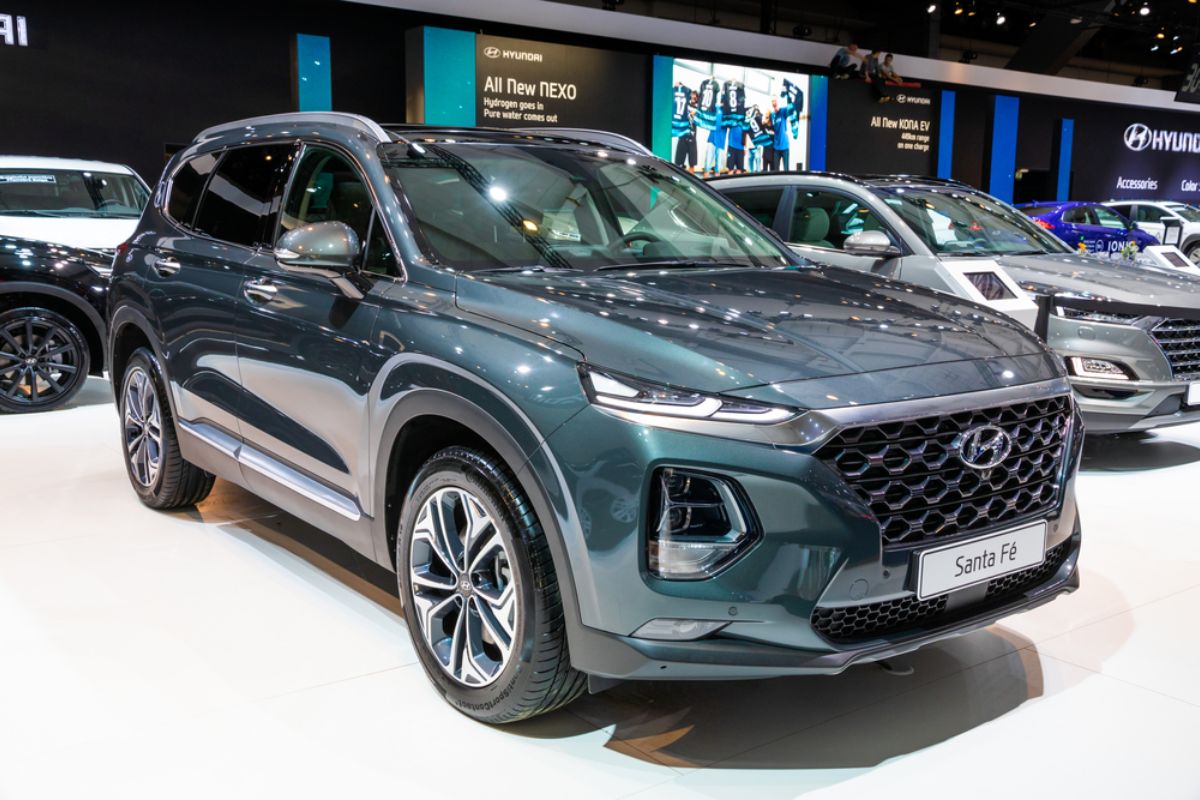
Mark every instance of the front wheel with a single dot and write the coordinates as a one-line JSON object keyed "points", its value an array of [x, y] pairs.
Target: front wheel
{"points": [[480, 593], [157, 471], [1193, 253], [44, 360]]}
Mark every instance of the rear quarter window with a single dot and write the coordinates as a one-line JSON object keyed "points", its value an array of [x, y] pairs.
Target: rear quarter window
{"points": [[186, 187], [240, 202]]}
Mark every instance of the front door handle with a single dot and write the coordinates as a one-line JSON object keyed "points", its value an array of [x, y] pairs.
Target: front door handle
{"points": [[260, 291], [166, 267]]}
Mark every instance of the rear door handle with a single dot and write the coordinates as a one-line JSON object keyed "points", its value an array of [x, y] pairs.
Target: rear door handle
{"points": [[260, 291], [166, 267]]}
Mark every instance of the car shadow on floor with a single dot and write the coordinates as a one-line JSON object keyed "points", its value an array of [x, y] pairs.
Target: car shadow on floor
{"points": [[1135, 452], [96, 391], [855, 720]]}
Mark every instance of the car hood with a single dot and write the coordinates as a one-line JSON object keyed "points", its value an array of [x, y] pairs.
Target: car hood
{"points": [[795, 332], [1100, 279], [93, 234]]}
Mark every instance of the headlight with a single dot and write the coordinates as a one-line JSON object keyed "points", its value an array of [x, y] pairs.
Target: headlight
{"points": [[698, 524], [629, 394], [1109, 317]]}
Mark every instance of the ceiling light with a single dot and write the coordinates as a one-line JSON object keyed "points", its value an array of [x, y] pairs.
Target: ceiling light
{"points": [[1000, 18], [933, 7], [1076, 20], [1144, 10], [1033, 23], [1177, 50], [957, 10], [1154, 48]]}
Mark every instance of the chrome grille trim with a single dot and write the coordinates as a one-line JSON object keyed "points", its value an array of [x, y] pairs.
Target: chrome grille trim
{"points": [[1179, 340]]}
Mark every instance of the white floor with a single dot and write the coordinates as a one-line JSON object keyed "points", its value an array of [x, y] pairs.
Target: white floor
{"points": [[228, 652]]}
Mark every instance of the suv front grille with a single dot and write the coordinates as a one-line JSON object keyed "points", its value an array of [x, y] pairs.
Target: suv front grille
{"points": [[1180, 341], [911, 477], [847, 623]]}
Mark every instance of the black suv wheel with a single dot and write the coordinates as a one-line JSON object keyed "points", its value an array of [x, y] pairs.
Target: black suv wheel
{"points": [[480, 592], [156, 469], [44, 360]]}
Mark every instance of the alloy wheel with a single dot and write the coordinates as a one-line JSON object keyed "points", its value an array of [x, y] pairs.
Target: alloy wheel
{"points": [[463, 587], [39, 361], [143, 427]]}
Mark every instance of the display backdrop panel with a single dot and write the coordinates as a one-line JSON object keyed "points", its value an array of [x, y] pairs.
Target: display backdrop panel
{"points": [[1130, 153], [866, 136], [727, 118], [521, 83]]}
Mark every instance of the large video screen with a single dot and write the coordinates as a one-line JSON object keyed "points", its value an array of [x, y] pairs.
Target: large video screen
{"points": [[865, 136], [726, 118]]}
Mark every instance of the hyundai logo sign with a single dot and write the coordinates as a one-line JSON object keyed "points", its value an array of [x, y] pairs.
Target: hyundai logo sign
{"points": [[14, 30], [1137, 137], [491, 52]]}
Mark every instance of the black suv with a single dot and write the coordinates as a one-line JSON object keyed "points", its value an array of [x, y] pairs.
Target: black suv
{"points": [[52, 332], [600, 422]]}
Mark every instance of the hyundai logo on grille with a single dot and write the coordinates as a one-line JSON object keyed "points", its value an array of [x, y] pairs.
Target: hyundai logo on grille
{"points": [[984, 447]]}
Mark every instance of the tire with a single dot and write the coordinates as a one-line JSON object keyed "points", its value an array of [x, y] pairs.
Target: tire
{"points": [[534, 675], [44, 360], [157, 471], [1193, 253]]}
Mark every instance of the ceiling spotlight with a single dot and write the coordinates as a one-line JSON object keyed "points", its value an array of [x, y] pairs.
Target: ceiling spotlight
{"points": [[1154, 48], [1000, 18], [1177, 50], [1144, 10], [1175, 38], [1033, 23], [933, 7], [1076, 20], [957, 10], [1160, 35]]}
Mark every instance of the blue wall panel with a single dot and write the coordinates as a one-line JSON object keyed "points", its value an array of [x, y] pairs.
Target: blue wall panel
{"points": [[449, 77], [314, 87], [818, 114], [945, 147], [1007, 112], [1066, 134]]}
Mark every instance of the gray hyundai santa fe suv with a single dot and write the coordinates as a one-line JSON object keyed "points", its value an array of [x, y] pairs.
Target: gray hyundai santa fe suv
{"points": [[600, 423]]}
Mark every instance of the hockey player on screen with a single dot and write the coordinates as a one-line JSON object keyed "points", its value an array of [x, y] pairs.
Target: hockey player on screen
{"points": [[708, 112], [683, 128], [795, 98]]}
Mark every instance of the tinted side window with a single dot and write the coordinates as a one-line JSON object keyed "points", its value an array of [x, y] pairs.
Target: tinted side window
{"points": [[1076, 215], [759, 203], [186, 187], [1108, 218], [327, 188], [825, 219], [237, 205]]}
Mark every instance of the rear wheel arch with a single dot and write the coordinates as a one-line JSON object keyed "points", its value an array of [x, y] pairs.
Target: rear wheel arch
{"points": [[127, 332]]}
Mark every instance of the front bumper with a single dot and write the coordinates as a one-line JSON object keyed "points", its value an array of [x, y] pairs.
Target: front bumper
{"points": [[1130, 406], [627, 658], [820, 548]]}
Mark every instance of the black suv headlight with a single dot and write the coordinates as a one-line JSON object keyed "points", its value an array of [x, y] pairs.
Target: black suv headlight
{"points": [[699, 523], [623, 393]]}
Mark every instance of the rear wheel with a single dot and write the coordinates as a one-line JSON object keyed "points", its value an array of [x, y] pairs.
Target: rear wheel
{"points": [[480, 593], [1193, 253], [44, 360], [156, 469]]}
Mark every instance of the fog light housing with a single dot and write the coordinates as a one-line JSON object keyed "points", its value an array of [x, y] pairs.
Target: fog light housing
{"points": [[698, 525], [678, 630], [1099, 368]]}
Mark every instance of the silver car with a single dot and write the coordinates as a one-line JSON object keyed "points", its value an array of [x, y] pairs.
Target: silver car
{"points": [[1130, 334]]}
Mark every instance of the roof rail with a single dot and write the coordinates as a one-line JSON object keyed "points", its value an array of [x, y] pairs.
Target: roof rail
{"points": [[618, 141], [357, 121]]}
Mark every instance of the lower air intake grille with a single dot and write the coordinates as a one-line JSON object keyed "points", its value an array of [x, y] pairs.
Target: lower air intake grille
{"points": [[848, 623]]}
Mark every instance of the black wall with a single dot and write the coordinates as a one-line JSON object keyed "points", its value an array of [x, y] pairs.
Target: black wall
{"points": [[127, 81]]}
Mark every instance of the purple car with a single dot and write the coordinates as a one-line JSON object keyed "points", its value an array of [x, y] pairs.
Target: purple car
{"points": [[1098, 228]]}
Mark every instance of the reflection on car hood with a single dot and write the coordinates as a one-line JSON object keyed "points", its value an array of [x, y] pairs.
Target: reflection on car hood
{"points": [[721, 330], [91, 233], [1083, 276]]}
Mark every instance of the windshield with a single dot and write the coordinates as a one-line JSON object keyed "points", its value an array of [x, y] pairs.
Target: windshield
{"points": [[956, 221], [501, 205], [70, 193], [1187, 212]]}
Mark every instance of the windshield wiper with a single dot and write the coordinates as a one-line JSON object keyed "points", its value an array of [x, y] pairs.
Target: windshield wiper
{"points": [[534, 268], [681, 264]]}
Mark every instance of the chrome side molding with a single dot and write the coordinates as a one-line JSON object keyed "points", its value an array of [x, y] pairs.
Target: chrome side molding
{"points": [[274, 469]]}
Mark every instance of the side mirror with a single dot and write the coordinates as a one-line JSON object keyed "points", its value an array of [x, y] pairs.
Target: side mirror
{"points": [[870, 243], [327, 248]]}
